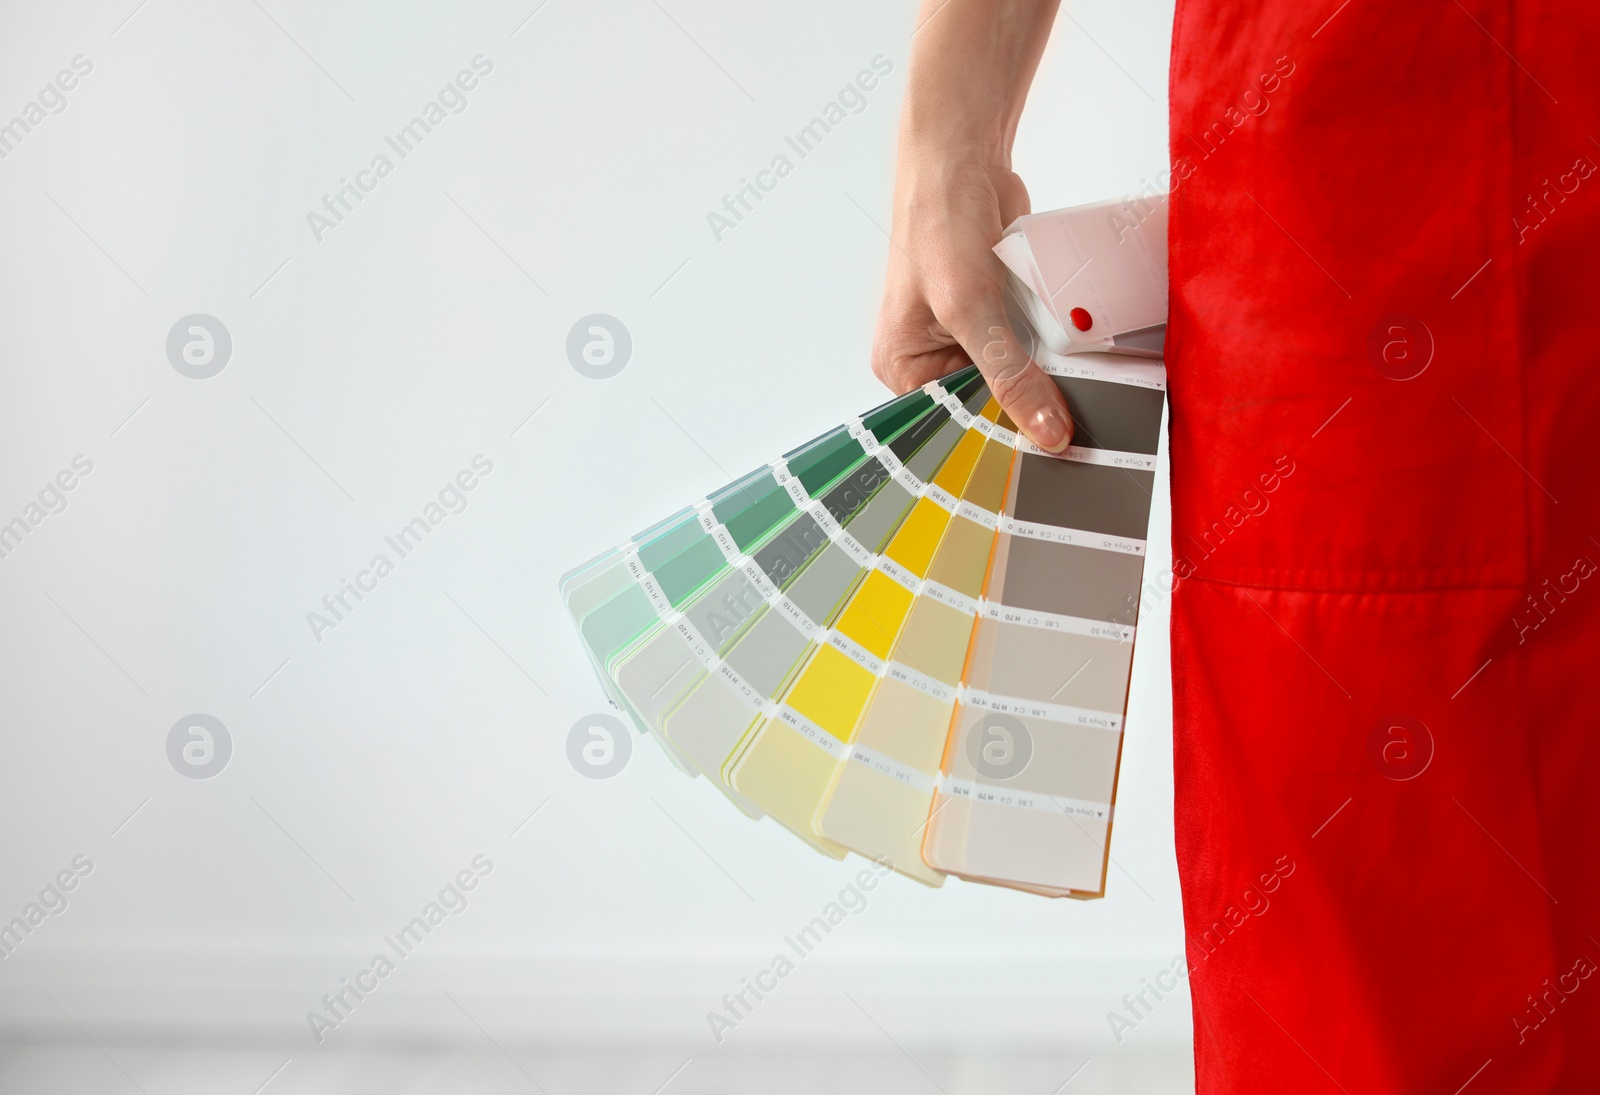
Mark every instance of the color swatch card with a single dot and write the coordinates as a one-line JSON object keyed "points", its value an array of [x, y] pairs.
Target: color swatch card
{"points": [[791, 758], [1030, 764], [727, 586], [908, 638]]}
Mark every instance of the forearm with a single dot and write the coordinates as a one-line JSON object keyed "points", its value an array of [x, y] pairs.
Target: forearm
{"points": [[944, 294], [971, 64]]}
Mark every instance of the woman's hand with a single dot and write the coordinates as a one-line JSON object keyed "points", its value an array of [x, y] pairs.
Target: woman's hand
{"points": [[955, 192]]}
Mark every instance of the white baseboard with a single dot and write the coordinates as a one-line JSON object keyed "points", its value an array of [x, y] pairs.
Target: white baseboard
{"points": [[603, 998]]}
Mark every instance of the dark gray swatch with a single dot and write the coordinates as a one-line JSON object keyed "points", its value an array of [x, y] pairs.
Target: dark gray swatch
{"points": [[1124, 417], [783, 556], [1092, 497]]}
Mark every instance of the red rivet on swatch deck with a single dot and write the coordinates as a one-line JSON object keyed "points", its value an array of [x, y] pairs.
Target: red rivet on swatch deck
{"points": [[1081, 319]]}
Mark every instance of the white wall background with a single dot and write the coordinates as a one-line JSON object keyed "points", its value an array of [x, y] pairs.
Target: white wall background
{"points": [[367, 369]]}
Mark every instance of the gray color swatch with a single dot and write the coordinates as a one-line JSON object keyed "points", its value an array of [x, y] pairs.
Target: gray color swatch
{"points": [[1072, 581], [1070, 761], [723, 609], [767, 652], [822, 586], [1124, 417], [855, 490], [1057, 667], [925, 462], [874, 525], [783, 556], [1092, 497]]}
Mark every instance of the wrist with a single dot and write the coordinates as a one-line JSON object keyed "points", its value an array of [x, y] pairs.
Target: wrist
{"points": [[956, 122], [938, 160], [942, 139]]}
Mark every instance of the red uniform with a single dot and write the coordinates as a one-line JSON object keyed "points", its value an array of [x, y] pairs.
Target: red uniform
{"points": [[1386, 523]]}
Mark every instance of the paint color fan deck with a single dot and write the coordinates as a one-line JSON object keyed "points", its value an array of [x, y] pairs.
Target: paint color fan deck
{"points": [[908, 638]]}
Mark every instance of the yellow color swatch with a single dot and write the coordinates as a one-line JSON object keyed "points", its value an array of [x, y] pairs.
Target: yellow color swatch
{"points": [[952, 474], [986, 486], [786, 775], [784, 772], [831, 692], [871, 812], [913, 546], [869, 808], [875, 614]]}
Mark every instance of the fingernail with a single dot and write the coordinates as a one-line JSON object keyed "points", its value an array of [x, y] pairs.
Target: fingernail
{"points": [[1050, 429]]}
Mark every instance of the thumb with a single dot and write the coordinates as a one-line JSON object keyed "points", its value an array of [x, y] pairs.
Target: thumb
{"points": [[1024, 391]]}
